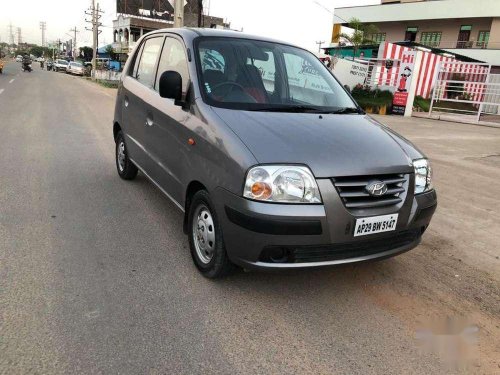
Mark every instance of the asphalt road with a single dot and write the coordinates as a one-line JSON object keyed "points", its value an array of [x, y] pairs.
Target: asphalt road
{"points": [[96, 276]]}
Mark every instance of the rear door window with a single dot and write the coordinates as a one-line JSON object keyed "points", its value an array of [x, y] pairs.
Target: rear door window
{"points": [[146, 69]]}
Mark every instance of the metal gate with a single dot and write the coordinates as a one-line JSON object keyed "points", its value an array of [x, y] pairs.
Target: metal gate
{"points": [[466, 91]]}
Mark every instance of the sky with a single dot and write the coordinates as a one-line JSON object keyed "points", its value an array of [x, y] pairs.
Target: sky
{"points": [[302, 22]]}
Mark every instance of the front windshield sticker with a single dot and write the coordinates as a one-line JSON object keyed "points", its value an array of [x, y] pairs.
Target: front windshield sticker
{"points": [[212, 60], [207, 87]]}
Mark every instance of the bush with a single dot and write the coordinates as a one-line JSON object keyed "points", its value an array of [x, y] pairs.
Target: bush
{"points": [[371, 98], [422, 103]]}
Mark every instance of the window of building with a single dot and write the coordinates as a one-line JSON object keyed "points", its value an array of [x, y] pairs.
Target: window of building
{"points": [[378, 37], [146, 69], [483, 38], [431, 38], [411, 34], [173, 57], [464, 36]]}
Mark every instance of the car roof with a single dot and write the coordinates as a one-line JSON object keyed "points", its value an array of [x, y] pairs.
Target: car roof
{"points": [[192, 32]]}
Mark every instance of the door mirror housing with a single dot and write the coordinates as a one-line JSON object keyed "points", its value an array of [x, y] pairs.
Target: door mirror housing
{"points": [[170, 86]]}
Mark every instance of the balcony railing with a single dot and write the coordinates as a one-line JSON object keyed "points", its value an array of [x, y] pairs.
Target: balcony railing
{"points": [[461, 44]]}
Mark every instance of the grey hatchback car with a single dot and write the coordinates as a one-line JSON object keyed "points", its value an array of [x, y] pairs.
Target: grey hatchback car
{"points": [[272, 162]]}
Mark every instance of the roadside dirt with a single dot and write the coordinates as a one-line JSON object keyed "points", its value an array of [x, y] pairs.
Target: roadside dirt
{"points": [[455, 272]]}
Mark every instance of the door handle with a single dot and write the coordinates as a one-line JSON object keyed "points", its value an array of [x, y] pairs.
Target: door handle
{"points": [[149, 120], [125, 101]]}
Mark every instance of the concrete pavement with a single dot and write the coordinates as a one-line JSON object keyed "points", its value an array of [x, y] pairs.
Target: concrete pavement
{"points": [[96, 276]]}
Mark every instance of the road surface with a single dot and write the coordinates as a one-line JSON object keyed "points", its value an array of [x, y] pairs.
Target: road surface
{"points": [[96, 276]]}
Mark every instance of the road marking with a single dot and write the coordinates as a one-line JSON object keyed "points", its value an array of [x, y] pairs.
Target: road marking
{"points": [[1, 90], [12, 80]]}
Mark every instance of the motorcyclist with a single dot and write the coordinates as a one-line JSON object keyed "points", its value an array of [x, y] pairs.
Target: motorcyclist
{"points": [[26, 62]]}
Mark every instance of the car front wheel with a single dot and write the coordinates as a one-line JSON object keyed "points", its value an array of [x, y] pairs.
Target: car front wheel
{"points": [[126, 169], [205, 238]]}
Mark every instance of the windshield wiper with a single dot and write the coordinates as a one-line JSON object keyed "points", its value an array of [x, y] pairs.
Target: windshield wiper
{"points": [[291, 108], [345, 110], [307, 109]]}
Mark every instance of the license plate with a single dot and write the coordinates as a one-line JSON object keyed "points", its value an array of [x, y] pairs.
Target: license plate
{"points": [[375, 224]]}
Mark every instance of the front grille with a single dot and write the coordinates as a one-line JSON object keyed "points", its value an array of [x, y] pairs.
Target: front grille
{"points": [[325, 253], [352, 190]]}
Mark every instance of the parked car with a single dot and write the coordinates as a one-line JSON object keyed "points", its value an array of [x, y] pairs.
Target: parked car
{"points": [[272, 162], [19, 58], [60, 65], [75, 68]]}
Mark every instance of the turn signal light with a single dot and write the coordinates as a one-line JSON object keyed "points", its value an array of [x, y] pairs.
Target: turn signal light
{"points": [[261, 190]]}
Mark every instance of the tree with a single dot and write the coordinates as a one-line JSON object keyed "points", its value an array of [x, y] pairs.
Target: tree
{"points": [[110, 51], [86, 53], [39, 51], [363, 34]]}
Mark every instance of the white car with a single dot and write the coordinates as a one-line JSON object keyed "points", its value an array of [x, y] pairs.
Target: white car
{"points": [[75, 68], [60, 65]]}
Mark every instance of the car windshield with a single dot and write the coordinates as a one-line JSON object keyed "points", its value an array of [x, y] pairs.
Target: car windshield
{"points": [[78, 65], [262, 76]]}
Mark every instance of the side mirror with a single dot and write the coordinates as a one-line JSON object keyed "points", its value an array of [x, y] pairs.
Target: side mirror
{"points": [[170, 86]]}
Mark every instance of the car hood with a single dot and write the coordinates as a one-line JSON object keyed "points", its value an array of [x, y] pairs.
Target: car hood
{"points": [[331, 145]]}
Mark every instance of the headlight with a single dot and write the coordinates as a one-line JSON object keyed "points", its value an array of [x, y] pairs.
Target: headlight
{"points": [[423, 175], [281, 183]]}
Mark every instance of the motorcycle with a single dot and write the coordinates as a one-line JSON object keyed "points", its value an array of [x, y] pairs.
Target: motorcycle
{"points": [[50, 66], [27, 67]]}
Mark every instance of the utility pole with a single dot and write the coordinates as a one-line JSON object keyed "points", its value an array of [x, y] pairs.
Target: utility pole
{"points": [[11, 34], [319, 43], [19, 37], [74, 30], [178, 13], [43, 26], [95, 14]]}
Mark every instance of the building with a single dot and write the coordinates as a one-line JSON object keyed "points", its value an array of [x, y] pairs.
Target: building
{"points": [[128, 28], [461, 27]]}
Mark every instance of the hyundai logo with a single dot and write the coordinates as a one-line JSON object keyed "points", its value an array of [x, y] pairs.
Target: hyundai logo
{"points": [[376, 188]]}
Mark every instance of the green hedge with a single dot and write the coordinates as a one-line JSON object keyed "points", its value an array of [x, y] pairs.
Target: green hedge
{"points": [[371, 98]]}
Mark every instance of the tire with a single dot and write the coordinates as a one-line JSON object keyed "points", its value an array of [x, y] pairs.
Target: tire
{"points": [[205, 238], [126, 169]]}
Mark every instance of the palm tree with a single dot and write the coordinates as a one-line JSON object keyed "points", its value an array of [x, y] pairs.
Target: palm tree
{"points": [[363, 34]]}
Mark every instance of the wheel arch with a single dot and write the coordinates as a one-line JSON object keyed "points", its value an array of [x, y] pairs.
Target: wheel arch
{"points": [[191, 190], [116, 129]]}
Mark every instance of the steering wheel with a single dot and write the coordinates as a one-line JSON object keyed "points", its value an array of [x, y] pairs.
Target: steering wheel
{"points": [[228, 83]]}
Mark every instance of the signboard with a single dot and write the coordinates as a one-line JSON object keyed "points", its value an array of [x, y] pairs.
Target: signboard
{"points": [[350, 73], [405, 75], [158, 9]]}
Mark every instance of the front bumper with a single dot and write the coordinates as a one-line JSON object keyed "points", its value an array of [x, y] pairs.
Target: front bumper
{"points": [[269, 235]]}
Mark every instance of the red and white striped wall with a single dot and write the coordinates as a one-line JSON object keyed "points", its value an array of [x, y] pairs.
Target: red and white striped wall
{"points": [[428, 70]]}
